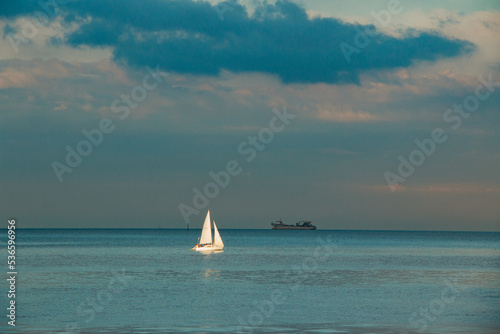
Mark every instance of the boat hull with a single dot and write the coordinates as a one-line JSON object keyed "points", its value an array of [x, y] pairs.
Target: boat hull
{"points": [[207, 249]]}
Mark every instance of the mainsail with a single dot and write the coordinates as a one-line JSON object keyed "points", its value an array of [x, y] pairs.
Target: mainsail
{"points": [[206, 233], [217, 239]]}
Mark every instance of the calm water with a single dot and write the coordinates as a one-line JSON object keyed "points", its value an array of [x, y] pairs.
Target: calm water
{"points": [[265, 281]]}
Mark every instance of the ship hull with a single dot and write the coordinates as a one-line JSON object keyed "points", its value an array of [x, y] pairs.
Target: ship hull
{"points": [[294, 227]]}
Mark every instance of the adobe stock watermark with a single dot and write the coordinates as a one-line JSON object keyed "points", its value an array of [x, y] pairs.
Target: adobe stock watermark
{"points": [[41, 18], [94, 137], [362, 38], [263, 309], [92, 306], [426, 315], [223, 7], [248, 148], [426, 147]]}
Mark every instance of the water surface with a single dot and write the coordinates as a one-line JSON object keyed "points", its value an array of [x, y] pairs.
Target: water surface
{"points": [[265, 281]]}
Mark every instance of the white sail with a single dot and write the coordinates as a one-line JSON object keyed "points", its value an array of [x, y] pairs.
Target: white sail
{"points": [[217, 239], [206, 233]]}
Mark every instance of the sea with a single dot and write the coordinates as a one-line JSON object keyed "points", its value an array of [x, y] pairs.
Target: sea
{"points": [[265, 281]]}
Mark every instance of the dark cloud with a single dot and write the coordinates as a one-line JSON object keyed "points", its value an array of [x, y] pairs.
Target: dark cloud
{"points": [[12, 9], [278, 39]]}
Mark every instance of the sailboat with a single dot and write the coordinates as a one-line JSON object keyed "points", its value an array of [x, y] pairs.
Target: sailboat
{"points": [[205, 243]]}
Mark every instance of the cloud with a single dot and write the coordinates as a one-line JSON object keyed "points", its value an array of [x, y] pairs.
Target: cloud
{"points": [[438, 188], [344, 116], [20, 74], [12, 9], [12, 78], [458, 188], [278, 39]]}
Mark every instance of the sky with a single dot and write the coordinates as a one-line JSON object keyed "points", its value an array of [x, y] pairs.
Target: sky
{"points": [[373, 115]]}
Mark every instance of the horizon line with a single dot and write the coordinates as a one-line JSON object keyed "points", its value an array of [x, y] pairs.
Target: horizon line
{"points": [[256, 229]]}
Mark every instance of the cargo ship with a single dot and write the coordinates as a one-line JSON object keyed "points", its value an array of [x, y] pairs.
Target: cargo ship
{"points": [[302, 225]]}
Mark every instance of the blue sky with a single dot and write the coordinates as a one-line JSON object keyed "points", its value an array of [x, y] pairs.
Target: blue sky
{"points": [[179, 89]]}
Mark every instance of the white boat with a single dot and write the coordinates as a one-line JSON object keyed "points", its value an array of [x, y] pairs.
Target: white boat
{"points": [[205, 243]]}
